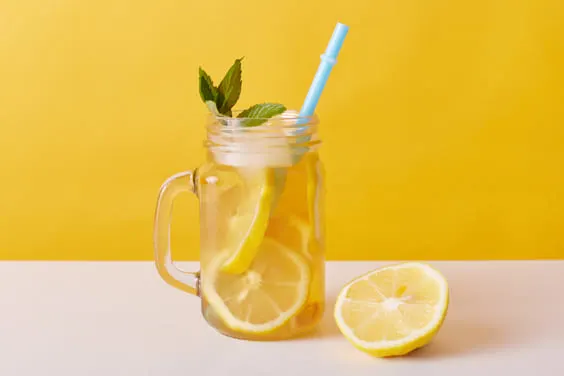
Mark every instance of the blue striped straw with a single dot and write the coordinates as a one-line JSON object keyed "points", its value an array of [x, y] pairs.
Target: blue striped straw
{"points": [[328, 60]]}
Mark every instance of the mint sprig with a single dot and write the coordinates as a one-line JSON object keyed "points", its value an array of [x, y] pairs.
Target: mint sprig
{"points": [[221, 99]]}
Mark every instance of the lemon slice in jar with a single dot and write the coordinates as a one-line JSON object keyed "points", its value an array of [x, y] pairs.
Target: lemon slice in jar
{"points": [[292, 232], [266, 296], [246, 228]]}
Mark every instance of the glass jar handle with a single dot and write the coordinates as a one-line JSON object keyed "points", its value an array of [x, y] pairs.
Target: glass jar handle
{"points": [[185, 281]]}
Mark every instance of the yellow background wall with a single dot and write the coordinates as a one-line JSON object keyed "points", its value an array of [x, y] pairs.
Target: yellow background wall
{"points": [[443, 121]]}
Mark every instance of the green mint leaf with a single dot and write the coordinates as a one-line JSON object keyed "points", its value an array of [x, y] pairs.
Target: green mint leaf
{"points": [[208, 92], [259, 113], [229, 89]]}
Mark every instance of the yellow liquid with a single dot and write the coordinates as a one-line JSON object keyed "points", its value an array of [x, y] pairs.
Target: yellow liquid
{"points": [[299, 195]]}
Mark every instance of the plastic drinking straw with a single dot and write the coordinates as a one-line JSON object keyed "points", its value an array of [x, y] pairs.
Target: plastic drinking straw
{"points": [[328, 60]]}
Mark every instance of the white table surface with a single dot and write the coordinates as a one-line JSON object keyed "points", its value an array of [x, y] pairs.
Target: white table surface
{"points": [[120, 318]]}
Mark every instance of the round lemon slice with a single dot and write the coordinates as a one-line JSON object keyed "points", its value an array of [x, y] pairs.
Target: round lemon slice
{"points": [[246, 228], [263, 298], [393, 310]]}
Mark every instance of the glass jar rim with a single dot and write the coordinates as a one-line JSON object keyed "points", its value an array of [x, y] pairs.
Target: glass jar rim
{"points": [[278, 139]]}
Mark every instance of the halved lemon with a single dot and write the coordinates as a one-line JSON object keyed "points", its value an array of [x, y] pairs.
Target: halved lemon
{"points": [[393, 310], [262, 299], [245, 230]]}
